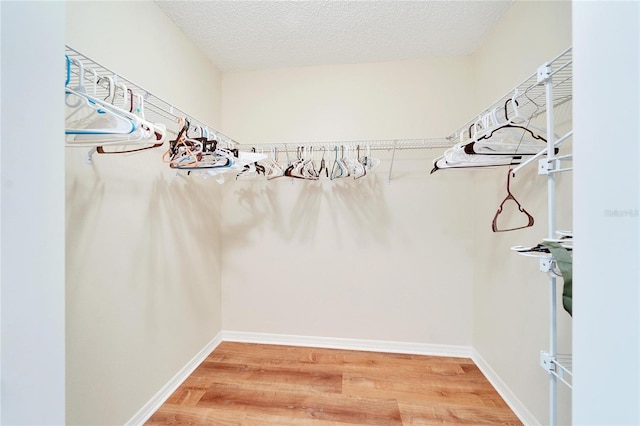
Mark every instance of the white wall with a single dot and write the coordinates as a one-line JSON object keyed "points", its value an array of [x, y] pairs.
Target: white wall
{"points": [[604, 316], [511, 295], [138, 41], [32, 225], [143, 247], [528, 34], [364, 259], [350, 102], [312, 239], [606, 319]]}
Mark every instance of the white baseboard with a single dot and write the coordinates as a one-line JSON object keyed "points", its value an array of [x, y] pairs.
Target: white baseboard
{"points": [[520, 410], [350, 344], [165, 392]]}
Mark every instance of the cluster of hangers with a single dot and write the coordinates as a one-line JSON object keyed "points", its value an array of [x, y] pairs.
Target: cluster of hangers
{"points": [[316, 163], [496, 138], [106, 113], [201, 152], [115, 124], [195, 152]]}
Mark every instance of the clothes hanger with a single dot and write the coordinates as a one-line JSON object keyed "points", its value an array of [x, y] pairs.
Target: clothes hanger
{"points": [[160, 135], [260, 168], [359, 166], [252, 169], [145, 133], [296, 169], [475, 161], [511, 147], [100, 118], [80, 87], [309, 167], [494, 223], [68, 79], [343, 162], [323, 164], [485, 149], [179, 151], [337, 170], [290, 166], [130, 92], [275, 169], [371, 162]]}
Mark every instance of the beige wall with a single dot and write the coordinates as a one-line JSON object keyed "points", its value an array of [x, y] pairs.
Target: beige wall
{"points": [[354, 259], [530, 33], [396, 261], [137, 40], [412, 260], [142, 246], [511, 295], [413, 99]]}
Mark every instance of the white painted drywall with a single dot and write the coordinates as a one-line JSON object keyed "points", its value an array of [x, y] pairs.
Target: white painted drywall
{"points": [[511, 295], [607, 275], [32, 226], [143, 247], [362, 259], [305, 259]]}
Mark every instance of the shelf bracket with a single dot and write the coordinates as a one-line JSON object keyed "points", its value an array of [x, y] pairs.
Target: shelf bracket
{"points": [[544, 72], [554, 367], [546, 264], [544, 167], [547, 362]]}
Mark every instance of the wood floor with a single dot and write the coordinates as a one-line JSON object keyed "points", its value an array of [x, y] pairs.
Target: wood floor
{"points": [[250, 384]]}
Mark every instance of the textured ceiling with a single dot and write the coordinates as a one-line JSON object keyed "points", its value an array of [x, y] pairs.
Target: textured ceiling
{"points": [[251, 35]]}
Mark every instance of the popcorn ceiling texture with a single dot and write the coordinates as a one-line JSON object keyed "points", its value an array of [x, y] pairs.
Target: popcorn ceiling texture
{"points": [[253, 35]]}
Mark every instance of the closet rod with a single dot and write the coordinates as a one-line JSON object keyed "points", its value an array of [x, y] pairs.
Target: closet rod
{"points": [[363, 144], [152, 103]]}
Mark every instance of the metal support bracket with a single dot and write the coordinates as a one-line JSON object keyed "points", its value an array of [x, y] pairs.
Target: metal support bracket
{"points": [[546, 264], [553, 366], [544, 72], [544, 167], [547, 362]]}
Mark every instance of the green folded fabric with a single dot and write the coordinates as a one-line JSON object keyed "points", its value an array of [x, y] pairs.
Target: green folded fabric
{"points": [[565, 263]]}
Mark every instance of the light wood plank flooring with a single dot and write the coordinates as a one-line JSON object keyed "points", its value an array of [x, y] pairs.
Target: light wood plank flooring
{"points": [[251, 384]]}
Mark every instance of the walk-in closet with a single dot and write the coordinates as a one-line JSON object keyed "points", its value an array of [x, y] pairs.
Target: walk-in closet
{"points": [[355, 188]]}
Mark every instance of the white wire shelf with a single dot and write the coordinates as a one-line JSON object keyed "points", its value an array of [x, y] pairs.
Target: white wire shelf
{"points": [[388, 144], [531, 94], [156, 109]]}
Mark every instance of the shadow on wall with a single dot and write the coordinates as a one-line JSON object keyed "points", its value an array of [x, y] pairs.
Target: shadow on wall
{"points": [[361, 206], [178, 248], [83, 201], [296, 210], [151, 237]]}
